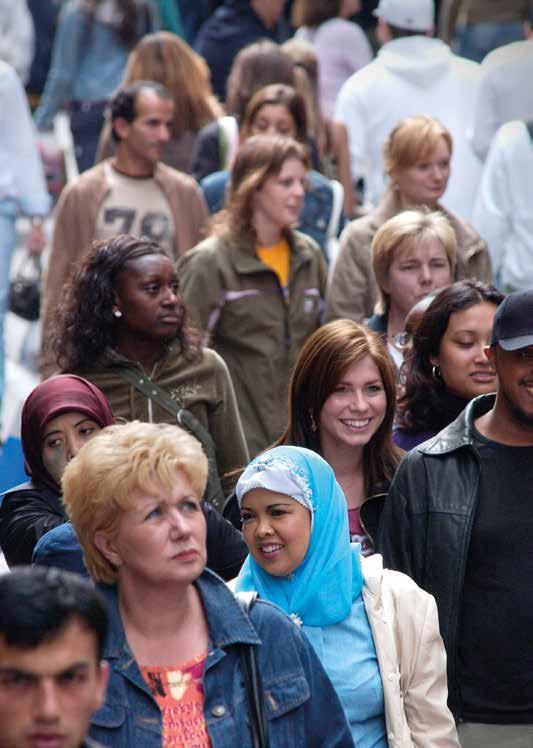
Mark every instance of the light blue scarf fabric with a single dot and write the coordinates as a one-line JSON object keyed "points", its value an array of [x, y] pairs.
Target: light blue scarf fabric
{"points": [[322, 589]]}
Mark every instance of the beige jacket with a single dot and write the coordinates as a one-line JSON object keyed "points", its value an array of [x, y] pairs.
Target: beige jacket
{"points": [[353, 292], [77, 213], [411, 656]]}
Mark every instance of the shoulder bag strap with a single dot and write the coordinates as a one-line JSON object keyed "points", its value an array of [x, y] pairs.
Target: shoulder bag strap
{"points": [[213, 492], [252, 681]]}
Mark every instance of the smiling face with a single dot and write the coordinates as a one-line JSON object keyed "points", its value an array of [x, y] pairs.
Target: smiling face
{"points": [[416, 270], [355, 409], [424, 182], [276, 529], [162, 539], [273, 119], [48, 692], [63, 437], [464, 367], [146, 293], [515, 385], [143, 140], [279, 201]]}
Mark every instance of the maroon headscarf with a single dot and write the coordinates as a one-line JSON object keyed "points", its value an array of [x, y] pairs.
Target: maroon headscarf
{"points": [[48, 400]]}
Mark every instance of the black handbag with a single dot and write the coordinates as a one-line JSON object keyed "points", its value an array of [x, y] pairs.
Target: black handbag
{"points": [[25, 289], [252, 682]]}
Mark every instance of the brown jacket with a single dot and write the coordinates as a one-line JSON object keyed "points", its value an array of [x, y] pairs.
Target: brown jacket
{"points": [[77, 213], [237, 300], [353, 292], [202, 386]]}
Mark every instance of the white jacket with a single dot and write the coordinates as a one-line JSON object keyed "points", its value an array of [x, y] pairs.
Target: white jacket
{"points": [[412, 76], [411, 657], [503, 212], [17, 36], [505, 92]]}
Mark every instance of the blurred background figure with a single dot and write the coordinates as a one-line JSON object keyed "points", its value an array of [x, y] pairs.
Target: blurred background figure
{"points": [[446, 366], [91, 47], [326, 135], [256, 66], [17, 36], [412, 74], [22, 185], [417, 156], [232, 26], [476, 27], [341, 46], [165, 58], [505, 92], [502, 213]]}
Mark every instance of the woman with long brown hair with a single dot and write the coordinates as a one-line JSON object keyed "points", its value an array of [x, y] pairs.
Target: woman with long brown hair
{"points": [[342, 398], [256, 285], [165, 58]]}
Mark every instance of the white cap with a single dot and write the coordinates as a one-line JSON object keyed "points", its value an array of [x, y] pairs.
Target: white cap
{"points": [[415, 15]]}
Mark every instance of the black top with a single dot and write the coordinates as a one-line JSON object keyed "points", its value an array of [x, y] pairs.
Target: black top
{"points": [[495, 656], [27, 512]]}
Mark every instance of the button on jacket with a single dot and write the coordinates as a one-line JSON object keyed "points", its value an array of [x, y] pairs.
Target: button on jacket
{"points": [[301, 704]]}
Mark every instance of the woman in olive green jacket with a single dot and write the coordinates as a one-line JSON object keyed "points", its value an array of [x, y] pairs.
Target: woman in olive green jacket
{"points": [[256, 286]]}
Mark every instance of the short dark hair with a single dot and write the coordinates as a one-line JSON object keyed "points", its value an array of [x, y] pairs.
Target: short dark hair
{"points": [[124, 102], [38, 602]]}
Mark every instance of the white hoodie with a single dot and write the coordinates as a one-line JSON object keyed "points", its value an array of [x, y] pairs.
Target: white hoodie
{"points": [[411, 76]]}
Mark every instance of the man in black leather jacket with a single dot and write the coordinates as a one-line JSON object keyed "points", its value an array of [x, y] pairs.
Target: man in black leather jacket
{"points": [[459, 520]]}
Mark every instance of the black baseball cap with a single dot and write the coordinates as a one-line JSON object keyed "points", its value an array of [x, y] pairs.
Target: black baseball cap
{"points": [[513, 322]]}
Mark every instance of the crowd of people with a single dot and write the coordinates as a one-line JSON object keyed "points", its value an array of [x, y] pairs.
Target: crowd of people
{"points": [[278, 458]]}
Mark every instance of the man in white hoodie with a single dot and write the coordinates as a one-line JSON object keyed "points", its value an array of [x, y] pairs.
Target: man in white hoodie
{"points": [[412, 74]]}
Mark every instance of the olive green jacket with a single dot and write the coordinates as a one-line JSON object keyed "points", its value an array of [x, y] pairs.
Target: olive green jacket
{"points": [[203, 386], [238, 302], [353, 291]]}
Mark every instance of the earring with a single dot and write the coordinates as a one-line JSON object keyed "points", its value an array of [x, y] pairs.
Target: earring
{"points": [[313, 422], [117, 313], [435, 372]]}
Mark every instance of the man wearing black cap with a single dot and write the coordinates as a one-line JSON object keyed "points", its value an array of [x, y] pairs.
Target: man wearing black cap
{"points": [[459, 520]]}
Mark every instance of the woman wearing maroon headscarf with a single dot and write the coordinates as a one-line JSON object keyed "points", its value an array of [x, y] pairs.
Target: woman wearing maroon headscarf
{"points": [[58, 417]]}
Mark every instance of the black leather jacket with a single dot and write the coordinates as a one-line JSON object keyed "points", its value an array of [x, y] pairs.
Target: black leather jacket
{"points": [[427, 521]]}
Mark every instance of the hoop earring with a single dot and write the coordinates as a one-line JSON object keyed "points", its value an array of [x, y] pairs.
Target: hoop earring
{"points": [[435, 372], [314, 427]]}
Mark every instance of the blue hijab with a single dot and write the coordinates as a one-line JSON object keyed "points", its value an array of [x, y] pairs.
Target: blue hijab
{"points": [[322, 589]]}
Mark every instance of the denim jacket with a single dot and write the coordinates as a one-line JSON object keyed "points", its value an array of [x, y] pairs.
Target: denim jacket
{"points": [[301, 704], [321, 218]]}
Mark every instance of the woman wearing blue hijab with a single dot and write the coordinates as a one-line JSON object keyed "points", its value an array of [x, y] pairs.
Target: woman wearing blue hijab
{"points": [[374, 630]]}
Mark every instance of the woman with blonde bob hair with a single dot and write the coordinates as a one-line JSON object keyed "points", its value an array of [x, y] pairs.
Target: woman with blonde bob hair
{"points": [[176, 630], [342, 399], [256, 285], [413, 254], [165, 58], [417, 161]]}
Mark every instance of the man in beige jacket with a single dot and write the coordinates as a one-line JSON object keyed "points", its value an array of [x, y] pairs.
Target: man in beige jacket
{"points": [[131, 193]]}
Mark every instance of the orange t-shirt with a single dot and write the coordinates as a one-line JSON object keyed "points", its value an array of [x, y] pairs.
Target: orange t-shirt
{"points": [[278, 259], [179, 693]]}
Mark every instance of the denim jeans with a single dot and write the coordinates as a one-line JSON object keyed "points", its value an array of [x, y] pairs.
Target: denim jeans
{"points": [[8, 218], [477, 40]]}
